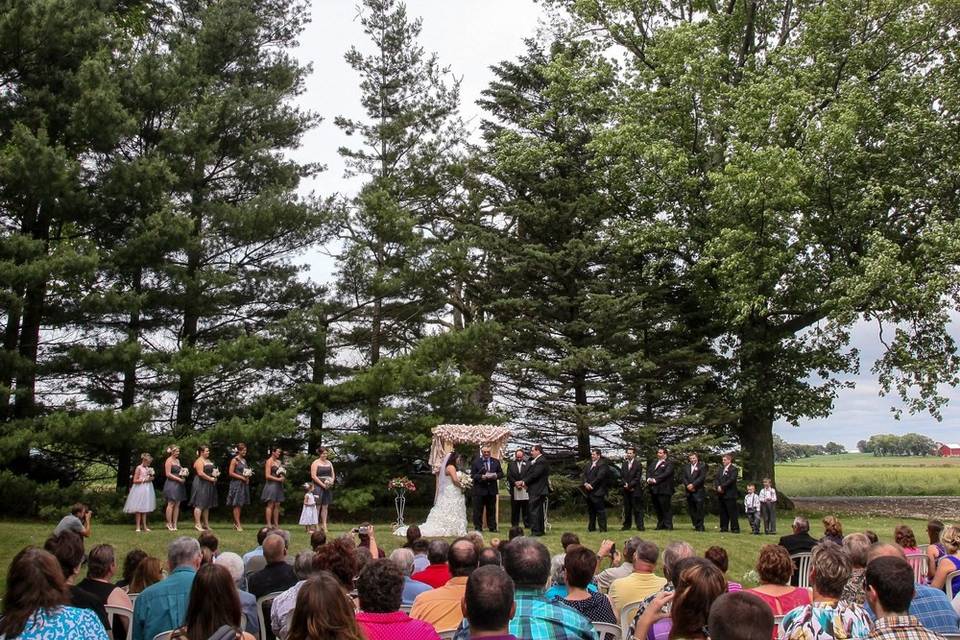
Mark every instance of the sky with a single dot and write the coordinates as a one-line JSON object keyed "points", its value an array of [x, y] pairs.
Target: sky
{"points": [[469, 36]]}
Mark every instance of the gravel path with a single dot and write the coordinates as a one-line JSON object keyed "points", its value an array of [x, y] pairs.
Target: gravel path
{"points": [[940, 507]]}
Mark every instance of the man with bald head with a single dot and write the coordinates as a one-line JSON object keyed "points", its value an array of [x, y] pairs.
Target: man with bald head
{"points": [[929, 605], [441, 607], [277, 575]]}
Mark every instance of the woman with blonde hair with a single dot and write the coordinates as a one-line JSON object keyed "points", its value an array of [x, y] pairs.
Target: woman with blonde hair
{"points": [[950, 539], [174, 487], [142, 499], [832, 530]]}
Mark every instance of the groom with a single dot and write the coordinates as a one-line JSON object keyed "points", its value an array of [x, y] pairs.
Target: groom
{"points": [[485, 471]]}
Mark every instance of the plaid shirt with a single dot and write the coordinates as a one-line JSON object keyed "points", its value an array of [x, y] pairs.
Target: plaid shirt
{"points": [[538, 619], [932, 608], [901, 628]]}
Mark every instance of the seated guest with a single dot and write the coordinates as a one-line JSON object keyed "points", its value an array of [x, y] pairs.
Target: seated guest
{"points": [[718, 556], [617, 570], [515, 532], [282, 607], [579, 564], [403, 558], [935, 549], [856, 545], [233, 563], [441, 606], [213, 604], [558, 579], [672, 555], [379, 589], [317, 539], [889, 589], [438, 573], [77, 521], [413, 534], [488, 556], [642, 582], [774, 567], [728, 613], [871, 536], [130, 562], [476, 537], [698, 583], [826, 617], [488, 603], [36, 605], [322, 611], [950, 538], [903, 536], [339, 559], [832, 530], [363, 556], [369, 541], [527, 562], [568, 539], [929, 605], [67, 548], [800, 541], [257, 551], [208, 546], [277, 575], [420, 560], [163, 606], [148, 572], [101, 567]]}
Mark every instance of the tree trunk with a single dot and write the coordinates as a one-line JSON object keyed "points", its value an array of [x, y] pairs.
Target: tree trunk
{"points": [[376, 327], [757, 407], [583, 426], [33, 303], [186, 387], [11, 336], [128, 395], [318, 377], [756, 442]]}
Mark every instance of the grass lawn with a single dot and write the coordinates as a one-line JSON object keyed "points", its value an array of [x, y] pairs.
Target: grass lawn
{"points": [[863, 474], [742, 548]]}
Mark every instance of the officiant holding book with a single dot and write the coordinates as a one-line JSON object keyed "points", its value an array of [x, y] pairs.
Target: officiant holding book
{"points": [[486, 472]]}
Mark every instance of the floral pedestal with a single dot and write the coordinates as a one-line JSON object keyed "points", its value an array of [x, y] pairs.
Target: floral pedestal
{"points": [[400, 502]]}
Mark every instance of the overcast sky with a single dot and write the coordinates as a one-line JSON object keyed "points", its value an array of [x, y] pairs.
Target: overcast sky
{"points": [[469, 36]]}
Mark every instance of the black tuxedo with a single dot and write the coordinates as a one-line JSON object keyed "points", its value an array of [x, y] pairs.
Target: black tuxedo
{"points": [[485, 491], [597, 475], [727, 492], [797, 543], [519, 509], [632, 483], [537, 477], [696, 477], [661, 491]]}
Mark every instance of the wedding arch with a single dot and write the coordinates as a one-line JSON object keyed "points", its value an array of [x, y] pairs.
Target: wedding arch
{"points": [[447, 436]]}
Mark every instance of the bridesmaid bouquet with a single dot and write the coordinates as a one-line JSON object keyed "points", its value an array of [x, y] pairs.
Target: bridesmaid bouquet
{"points": [[151, 474], [281, 471], [248, 473], [215, 473], [184, 472], [465, 480]]}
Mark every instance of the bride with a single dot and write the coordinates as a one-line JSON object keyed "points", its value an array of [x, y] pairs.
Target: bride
{"points": [[448, 517]]}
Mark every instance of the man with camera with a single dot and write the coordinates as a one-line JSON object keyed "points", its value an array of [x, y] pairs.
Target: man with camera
{"points": [[78, 521]]}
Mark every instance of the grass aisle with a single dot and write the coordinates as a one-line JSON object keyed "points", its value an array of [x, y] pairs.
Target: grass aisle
{"points": [[742, 548]]}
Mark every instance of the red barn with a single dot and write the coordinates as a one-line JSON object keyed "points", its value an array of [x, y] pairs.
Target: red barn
{"points": [[948, 450]]}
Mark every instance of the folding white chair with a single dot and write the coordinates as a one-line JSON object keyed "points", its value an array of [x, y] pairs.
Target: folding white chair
{"points": [[627, 612], [265, 613], [920, 564], [802, 562], [164, 635], [122, 612], [447, 634], [948, 585], [607, 631]]}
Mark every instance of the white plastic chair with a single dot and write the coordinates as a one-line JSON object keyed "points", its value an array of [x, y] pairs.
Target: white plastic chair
{"points": [[447, 634], [607, 631], [627, 612], [920, 564], [127, 615], [948, 585], [802, 562], [406, 608], [164, 635], [265, 615]]}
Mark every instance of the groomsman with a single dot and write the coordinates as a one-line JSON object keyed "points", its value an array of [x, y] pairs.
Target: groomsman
{"points": [[660, 479], [631, 474], [519, 508], [727, 491], [536, 480], [694, 477], [596, 477], [486, 472]]}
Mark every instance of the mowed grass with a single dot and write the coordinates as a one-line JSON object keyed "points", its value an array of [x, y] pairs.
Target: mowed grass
{"points": [[863, 474], [742, 548]]}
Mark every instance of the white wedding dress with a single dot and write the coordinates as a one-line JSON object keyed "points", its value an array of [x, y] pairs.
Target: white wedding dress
{"points": [[448, 517]]}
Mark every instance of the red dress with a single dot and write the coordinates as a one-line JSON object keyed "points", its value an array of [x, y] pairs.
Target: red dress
{"points": [[780, 605]]}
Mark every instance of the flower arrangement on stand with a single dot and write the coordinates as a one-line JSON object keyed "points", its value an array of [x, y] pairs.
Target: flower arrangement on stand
{"points": [[400, 486]]}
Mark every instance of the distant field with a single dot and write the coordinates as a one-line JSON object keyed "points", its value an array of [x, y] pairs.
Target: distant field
{"points": [[863, 474]]}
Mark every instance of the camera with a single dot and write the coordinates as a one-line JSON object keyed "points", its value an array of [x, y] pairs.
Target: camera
{"points": [[362, 531]]}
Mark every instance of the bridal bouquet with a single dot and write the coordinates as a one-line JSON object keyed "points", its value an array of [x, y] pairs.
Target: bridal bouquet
{"points": [[401, 482], [465, 480], [248, 473], [184, 472]]}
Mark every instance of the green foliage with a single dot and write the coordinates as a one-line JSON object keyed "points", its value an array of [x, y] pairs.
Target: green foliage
{"points": [[911, 444]]}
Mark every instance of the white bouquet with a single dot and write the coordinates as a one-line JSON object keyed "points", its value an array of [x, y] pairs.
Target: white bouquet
{"points": [[248, 473], [215, 473], [466, 482], [281, 471], [184, 472]]}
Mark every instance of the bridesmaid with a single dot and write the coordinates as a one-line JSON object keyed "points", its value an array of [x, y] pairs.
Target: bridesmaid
{"points": [[323, 476], [142, 500], [204, 493], [272, 492], [239, 493], [174, 488]]}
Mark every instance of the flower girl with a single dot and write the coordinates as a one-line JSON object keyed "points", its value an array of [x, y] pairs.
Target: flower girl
{"points": [[142, 499], [308, 517]]}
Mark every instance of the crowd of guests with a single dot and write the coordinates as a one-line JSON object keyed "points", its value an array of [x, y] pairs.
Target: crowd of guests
{"points": [[346, 588]]}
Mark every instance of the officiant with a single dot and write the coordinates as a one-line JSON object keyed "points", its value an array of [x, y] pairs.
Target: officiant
{"points": [[486, 472]]}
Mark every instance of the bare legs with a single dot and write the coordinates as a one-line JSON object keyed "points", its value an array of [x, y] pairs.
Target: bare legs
{"points": [[173, 515], [272, 514], [323, 517], [201, 518], [236, 518]]}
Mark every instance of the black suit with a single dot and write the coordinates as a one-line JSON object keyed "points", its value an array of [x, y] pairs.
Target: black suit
{"points": [[536, 476], [485, 491], [727, 492], [696, 477], [632, 482], [797, 543], [519, 509], [661, 491], [597, 475]]}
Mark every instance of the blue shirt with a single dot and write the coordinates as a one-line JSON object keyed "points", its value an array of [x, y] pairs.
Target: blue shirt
{"points": [[538, 619], [163, 606], [561, 591], [65, 622], [252, 554], [931, 607], [411, 589]]}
